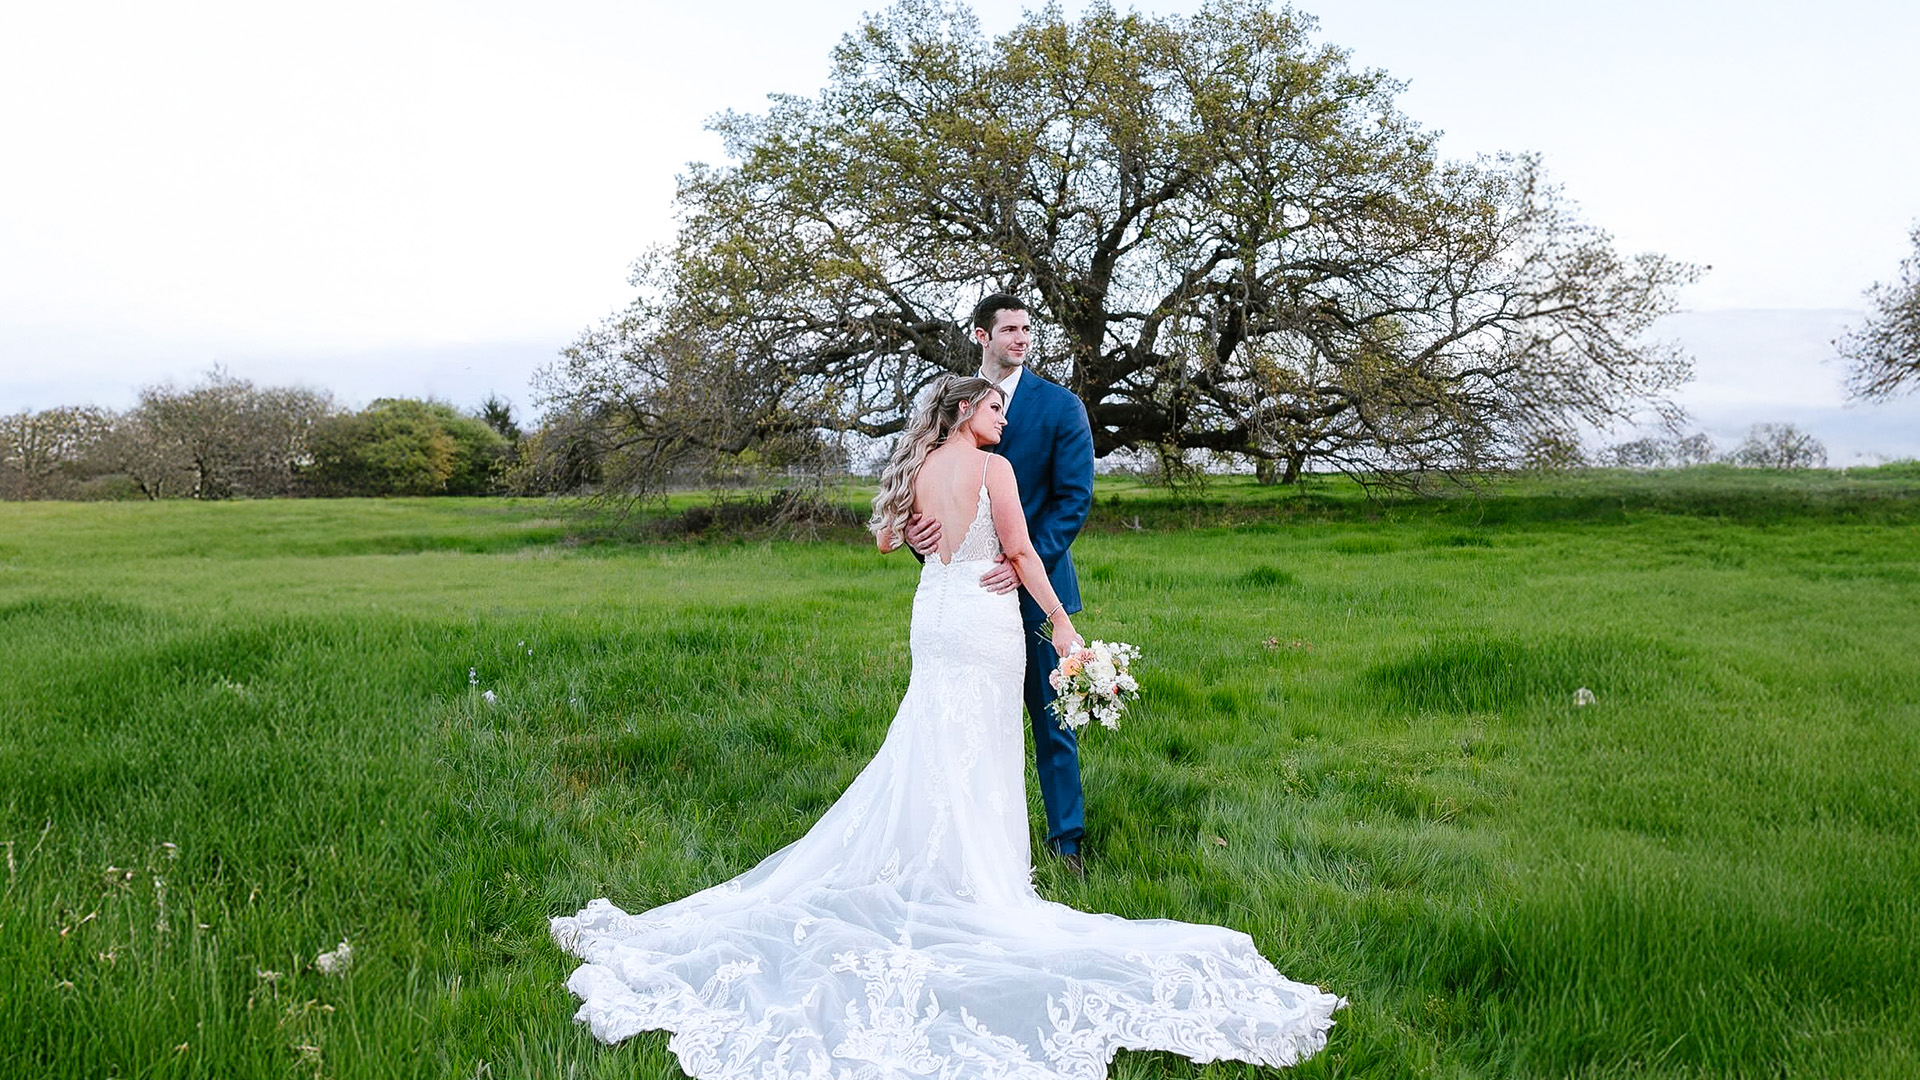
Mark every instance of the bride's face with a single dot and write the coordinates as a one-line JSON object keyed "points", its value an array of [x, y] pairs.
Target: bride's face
{"points": [[988, 417]]}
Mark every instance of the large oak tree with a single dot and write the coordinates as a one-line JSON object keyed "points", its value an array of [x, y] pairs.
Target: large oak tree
{"points": [[1233, 239]]}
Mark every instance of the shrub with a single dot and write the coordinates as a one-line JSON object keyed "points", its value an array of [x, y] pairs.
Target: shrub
{"points": [[399, 446]]}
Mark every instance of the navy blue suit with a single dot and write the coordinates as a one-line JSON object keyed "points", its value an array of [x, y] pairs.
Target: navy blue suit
{"points": [[1049, 443]]}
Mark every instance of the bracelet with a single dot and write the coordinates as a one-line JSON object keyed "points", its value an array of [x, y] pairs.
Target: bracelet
{"points": [[1057, 609]]}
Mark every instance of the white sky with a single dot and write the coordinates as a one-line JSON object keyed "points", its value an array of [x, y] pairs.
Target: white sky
{"points": [[411, 197]]}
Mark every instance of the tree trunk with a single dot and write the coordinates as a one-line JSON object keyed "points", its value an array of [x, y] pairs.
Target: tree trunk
{"points": [[1263, 471], [1295, 460]]}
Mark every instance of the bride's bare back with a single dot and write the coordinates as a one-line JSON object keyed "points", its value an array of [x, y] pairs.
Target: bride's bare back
{"points": [[948, 490], [974, 499]]}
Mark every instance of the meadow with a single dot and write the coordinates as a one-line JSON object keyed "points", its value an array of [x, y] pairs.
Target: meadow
{"points": [[233, 735]]}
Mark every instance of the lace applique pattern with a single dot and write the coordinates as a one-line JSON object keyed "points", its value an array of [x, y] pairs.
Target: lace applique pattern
{"points": [[981, 543], [899, 1015]]}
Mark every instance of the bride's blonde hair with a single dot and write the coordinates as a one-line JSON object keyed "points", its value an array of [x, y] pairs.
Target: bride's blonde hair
{"points": [[947, 405]]}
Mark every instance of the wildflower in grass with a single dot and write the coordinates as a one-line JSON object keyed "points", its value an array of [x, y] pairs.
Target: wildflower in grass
{"points": [[1093, 684], [266, 976], [1583, 697], [488, 697], [335, 962], [172, 849], [473, 677]]}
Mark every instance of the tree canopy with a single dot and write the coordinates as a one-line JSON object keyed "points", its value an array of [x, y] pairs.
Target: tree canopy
{"points": [[1232, 240], [42, 453], [220, 438], [1885, 353], [400, 446], [1779, 446]]}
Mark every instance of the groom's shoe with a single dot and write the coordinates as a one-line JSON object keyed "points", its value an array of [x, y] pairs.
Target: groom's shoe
{"points": [[1071, 860]]}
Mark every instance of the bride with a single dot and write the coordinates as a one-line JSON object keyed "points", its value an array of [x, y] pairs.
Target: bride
{"points": [[902, 936]]}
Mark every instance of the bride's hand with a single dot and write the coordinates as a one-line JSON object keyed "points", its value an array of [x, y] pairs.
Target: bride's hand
{"points": [[1065, 639]]}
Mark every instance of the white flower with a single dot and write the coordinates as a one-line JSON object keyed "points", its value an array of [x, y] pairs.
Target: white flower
{"points": [[1098, 689], [473, 677], [1583, 696], [487, 696], [335, 962]]}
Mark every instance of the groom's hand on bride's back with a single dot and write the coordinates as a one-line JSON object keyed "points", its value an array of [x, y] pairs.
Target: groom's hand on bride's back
{"points": [[1003, 578], [923, 535]]}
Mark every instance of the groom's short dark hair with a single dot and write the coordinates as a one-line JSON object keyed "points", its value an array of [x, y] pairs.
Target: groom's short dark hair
{"points": [[990, 308]]}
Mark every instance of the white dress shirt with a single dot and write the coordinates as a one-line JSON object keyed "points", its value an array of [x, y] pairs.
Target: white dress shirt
{"points": [[1007, 386]]}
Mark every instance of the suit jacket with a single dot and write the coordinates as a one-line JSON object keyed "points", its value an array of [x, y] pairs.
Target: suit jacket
{"points": [[1049, 443]]}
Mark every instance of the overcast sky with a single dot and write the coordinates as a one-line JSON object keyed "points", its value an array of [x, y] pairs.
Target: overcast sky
{"points": [[432, 197]]}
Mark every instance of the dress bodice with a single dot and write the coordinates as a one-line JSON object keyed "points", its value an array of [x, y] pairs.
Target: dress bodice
{"points": [[981, 543]]}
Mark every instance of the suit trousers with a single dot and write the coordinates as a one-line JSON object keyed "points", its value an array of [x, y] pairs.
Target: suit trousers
{"points": [[1056, 751]]}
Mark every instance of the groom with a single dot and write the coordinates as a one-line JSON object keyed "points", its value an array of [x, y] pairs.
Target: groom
{"points": [[1049, 443]]}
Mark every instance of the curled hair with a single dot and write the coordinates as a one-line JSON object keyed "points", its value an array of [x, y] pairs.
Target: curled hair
{"points": [[945, 407]]}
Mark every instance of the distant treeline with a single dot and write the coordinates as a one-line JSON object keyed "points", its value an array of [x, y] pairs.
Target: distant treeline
{"points": [[227, 438], [1766, 446]]}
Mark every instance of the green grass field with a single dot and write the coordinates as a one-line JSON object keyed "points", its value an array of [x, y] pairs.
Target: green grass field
{"points": [[232, 735]]}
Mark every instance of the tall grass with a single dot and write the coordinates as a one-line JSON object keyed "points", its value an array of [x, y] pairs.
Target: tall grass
{"points": [[232, 736]]}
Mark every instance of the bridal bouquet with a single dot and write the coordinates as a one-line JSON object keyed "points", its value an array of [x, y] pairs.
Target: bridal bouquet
{"points": [[1093, 684]]}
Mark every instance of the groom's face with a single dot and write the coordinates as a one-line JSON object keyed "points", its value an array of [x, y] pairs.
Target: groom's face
{"points": [[1007, 343]]}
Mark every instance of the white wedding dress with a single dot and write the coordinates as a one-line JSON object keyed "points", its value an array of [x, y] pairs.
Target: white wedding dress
{"points": [[902, 937]]}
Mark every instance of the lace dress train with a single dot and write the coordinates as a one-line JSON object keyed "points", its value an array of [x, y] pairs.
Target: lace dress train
{"points": [[902, 937]]}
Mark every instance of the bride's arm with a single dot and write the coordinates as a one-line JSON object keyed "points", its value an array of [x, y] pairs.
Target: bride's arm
{"points": [[1010, 523]]}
